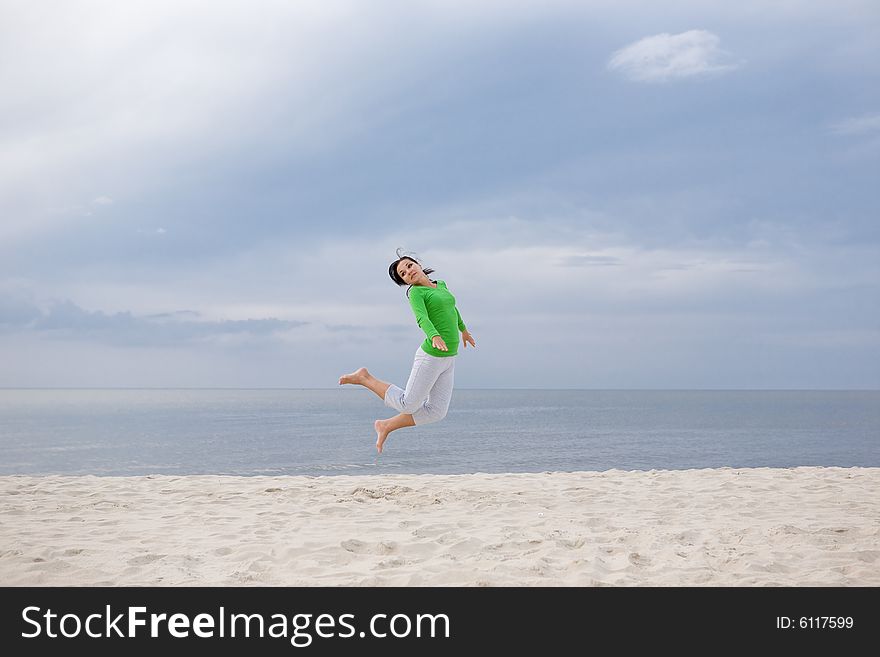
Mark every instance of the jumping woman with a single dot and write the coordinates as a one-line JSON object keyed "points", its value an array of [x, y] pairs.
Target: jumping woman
{"points": [[429, 388]]}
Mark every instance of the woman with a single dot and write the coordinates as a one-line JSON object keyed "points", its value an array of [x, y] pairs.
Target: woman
{"points": [[429, 388]]}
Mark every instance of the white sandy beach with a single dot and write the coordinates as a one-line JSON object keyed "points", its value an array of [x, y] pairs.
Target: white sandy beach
{"points": [[715, 527]]}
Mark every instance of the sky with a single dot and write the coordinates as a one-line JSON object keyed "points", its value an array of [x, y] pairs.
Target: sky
{"points": [[620, 194]]}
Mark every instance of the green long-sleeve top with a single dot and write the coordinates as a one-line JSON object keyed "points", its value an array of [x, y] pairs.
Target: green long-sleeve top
{"points": [[436, 314]]}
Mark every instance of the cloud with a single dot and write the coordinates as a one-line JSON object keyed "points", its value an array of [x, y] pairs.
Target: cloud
{"points": [[151, 231], [17, 312], [590, 261], [665, 57], [103, 200], [157, 88], [65, 319], [858, 125]]}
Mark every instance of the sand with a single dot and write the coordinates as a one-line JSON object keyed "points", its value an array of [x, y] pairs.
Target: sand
{"points": [[806, 526]]}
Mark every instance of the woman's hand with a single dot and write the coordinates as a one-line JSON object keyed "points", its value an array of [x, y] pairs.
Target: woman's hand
{"points": [[467, 337], [437, 343]]}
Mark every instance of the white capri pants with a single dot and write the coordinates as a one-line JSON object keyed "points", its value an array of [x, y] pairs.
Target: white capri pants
{"points": [[428, 389]]}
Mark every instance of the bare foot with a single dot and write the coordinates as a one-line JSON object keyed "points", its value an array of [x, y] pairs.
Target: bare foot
{"points": [[358, 377], [382, 431]]}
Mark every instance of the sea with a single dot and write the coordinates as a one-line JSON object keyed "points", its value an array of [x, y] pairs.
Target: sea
{"points": [[328, 432]]}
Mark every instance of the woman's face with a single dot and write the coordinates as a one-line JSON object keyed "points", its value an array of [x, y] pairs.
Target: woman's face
{"points": [[409, 271]]}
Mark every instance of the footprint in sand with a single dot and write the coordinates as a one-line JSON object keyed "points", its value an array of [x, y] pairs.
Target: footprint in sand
{"points": [[352, 545], [359, 547], [637, 559], [144, 559]]}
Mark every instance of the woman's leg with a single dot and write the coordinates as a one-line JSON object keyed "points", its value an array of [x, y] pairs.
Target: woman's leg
{"points": [[432, 409], [364, 378], [437, 404], [384, 427], [424, 373], [426, 370]]}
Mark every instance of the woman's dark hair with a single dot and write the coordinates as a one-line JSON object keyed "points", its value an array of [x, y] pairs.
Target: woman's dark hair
{"points": [[392, 270]]}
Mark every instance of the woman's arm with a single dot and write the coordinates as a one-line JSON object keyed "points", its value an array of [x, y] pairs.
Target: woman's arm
{"points": [[417, 303], [466, 337]]}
